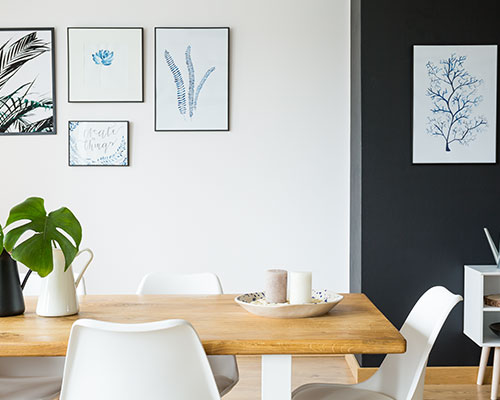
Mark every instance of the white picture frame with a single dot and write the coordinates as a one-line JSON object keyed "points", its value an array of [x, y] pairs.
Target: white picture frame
{"points": [[105, 65], [192, 79], [454, 104], [98, 143]]}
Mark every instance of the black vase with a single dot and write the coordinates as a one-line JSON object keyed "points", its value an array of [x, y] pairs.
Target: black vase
{"points": [[11, 295]]}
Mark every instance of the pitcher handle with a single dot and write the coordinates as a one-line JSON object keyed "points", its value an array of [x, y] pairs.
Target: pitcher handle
{"points": [[77, 282]]}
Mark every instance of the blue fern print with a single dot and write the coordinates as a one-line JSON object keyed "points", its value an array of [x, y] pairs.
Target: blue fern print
{"points": [[200, 85], [179, 83], [103, 57], [190, 68], [73, 126]]}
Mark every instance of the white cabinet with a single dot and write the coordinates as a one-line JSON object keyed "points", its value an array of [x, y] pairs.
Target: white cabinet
{"points": [[479, 281]]}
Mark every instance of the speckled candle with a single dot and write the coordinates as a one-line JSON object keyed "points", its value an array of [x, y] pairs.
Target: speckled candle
{"points": [[275, 286]]}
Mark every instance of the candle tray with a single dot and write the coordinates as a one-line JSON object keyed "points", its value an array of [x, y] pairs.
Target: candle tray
{"points": [[322, 302]]}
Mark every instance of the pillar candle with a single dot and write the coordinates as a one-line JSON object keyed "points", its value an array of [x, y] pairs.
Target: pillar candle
{"points": [[300, 287], [275, 286]]}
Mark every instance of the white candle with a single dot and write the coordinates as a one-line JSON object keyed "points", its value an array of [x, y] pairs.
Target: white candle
{"points": [[275, 286], [300, 287]]}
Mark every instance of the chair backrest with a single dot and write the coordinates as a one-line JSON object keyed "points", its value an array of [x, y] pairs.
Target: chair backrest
{"points": [[156, 360], [165, 283], [401, 376]]}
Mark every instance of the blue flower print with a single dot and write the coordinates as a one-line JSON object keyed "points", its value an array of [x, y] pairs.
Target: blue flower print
{"points": [[104, 57]]}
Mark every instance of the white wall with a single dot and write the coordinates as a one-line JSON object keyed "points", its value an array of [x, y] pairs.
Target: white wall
{"points": [[274, 191]]}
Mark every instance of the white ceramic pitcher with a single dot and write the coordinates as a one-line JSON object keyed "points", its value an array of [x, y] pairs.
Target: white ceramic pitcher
{"points": [[58, 293]]}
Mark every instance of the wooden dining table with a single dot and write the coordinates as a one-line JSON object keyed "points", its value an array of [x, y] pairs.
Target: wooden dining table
{"points": [[354, 326]]}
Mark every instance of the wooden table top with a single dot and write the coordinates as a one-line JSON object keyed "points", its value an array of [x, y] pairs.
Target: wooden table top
{"points": [[355, 326]]}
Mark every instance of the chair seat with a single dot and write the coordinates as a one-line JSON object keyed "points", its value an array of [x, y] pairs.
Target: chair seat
{"points": [[324, 391], [33, 388]]}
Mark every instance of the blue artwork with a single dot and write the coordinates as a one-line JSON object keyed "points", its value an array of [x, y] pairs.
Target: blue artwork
{"points": [[455, 95], [103, 57], [454, 104], [98, 143], [193, 94], [191, 79]]}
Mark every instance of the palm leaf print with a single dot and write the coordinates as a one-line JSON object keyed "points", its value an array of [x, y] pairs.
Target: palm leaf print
{"points": [[17, 108], [12, 58]]}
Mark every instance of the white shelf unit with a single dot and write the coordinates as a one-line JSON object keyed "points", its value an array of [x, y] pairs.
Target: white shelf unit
{"points": [[479, 281]]}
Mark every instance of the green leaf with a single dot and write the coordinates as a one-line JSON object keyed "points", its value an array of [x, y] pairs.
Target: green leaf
{"points": [[1, 239], [36, 252], [32, 208], [14, 234]]}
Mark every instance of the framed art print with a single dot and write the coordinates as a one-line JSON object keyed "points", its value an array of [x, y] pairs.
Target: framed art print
{"points": [[105, 65], [98, 143], [27, 84], [454, 104], [192, 79]]}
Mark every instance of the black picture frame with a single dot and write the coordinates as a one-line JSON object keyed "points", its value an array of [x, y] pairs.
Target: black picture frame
{"points": [[141, 29], [53, 78], [227, 129], [100, 165]]}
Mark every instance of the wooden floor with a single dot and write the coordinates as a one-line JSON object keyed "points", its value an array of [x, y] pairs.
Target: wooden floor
{"points": [[335, 370]]}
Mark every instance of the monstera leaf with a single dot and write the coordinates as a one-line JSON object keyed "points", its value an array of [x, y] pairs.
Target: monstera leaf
{"points": [[36, 251]]}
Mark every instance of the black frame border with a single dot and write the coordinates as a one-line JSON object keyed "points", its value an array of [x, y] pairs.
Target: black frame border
{"points": [[228, 80]]}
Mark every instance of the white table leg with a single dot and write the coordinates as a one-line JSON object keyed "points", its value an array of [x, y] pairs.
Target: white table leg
{"points": [[276, 377], [483, 362], [496, 373]]}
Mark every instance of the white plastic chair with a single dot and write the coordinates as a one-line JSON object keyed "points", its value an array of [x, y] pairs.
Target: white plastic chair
{"points": [[401, 376], [32, 378], [156, 360], [224, 368]]}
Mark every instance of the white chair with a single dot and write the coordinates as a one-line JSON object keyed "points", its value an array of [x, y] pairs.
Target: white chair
{"points": [[401, 376], [225, 368], [155, 361], [32, 378]]}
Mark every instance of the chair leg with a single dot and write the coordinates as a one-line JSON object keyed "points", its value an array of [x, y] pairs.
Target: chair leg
{"points": [[496, 374], [485, 353]]}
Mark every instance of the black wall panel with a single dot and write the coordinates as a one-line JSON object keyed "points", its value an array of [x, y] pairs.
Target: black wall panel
{"points": [[420, 223]]}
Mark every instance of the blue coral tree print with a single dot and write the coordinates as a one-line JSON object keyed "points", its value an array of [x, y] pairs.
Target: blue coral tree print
{"points": [[455, 94], [454, 104], [192, 74], [103, 57], [93, 143], [26, 86]]}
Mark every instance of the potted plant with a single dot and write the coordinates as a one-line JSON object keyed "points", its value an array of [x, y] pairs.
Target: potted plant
{"points": [[48, 250]]}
